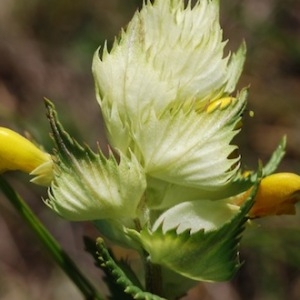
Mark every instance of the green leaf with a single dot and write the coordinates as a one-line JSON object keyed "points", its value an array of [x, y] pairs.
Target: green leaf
{"points": [[116, 291], [203, 255], [276, 158], [114, 271]]}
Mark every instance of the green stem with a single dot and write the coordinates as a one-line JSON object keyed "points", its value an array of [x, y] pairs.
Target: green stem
{"points": [[153, 278], [57, 253]]}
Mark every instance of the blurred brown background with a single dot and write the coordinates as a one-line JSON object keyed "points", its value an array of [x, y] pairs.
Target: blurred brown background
{"points": [[46, 49]]}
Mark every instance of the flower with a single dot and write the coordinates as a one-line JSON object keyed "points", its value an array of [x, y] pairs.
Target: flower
{"points": [[277, 195], [165, 90], [18, 153], [172, 178]]}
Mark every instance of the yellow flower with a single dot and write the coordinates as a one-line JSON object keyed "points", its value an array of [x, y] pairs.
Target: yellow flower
{"points": [[277, 195], [18, 153]]}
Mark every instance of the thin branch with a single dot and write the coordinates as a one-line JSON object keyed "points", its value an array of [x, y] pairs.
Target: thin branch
{"points": [[57, 253]]}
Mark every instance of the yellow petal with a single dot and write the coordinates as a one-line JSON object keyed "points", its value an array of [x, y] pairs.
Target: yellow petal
{"points": [[18, 153], [276, 195]]}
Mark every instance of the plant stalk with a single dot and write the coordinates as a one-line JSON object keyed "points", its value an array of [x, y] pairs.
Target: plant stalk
{"points": [[57, 253], [153, 278]]}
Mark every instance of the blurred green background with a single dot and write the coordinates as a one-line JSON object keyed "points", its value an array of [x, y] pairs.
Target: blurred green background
{"points": [[46, 49]]}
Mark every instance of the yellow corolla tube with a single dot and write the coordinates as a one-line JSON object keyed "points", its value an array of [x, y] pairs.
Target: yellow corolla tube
{"points": [[277, 195], [18, 153]]}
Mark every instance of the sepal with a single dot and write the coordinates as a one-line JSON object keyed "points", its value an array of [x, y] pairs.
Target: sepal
{"points": [[43, 174]]}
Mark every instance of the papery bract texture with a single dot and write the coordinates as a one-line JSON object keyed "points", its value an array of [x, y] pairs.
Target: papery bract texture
{"points": [[204, 246], [97, 188], [90, 186], [155, 84]]}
